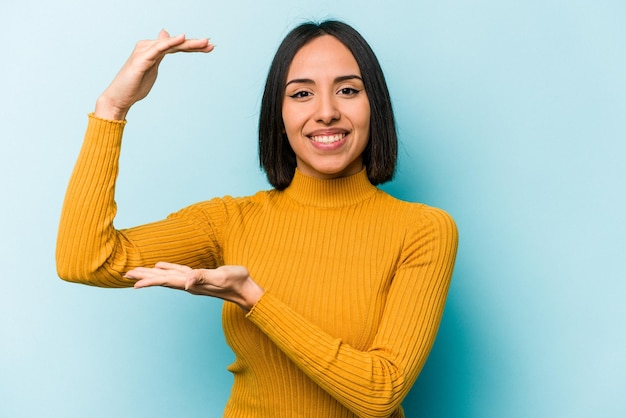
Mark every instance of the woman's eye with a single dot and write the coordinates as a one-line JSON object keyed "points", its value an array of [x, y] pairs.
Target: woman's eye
{"points": [[349, 91], [300, 95]]}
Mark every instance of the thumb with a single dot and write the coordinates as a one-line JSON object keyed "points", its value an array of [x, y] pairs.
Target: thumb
{"points": [[163, 34], [195, 278]]}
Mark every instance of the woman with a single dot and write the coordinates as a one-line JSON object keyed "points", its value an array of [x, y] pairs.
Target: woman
{"points": [[334, 289]]}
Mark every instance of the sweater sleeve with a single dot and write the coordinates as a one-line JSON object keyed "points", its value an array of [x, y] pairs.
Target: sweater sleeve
{"points": [[89, 248], [373, 382]]}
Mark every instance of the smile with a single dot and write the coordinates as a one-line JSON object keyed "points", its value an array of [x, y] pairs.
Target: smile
{"points": [[327, 139]]}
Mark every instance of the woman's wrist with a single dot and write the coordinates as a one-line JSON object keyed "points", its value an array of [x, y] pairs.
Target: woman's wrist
{"points": [[105, 109], [251, 294]]}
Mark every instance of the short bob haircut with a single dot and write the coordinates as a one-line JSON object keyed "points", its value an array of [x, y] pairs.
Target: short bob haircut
{"points": [[275, 154]]}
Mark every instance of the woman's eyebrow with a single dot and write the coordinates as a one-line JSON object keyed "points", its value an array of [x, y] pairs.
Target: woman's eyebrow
{"points": [[310, 81], [348, 77], [300, 81]]}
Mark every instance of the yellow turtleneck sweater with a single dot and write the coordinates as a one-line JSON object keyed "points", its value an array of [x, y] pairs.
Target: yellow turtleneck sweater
{"points": [[355, 280]]}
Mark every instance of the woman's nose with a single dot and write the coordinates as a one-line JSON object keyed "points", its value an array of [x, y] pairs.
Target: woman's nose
{"points": [[327, 109]]}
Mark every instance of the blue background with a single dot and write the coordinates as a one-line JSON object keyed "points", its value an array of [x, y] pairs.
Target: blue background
{"points": [[512, 117]]}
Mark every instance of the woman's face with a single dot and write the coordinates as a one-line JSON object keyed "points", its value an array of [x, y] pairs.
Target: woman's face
{"points": [[326, 111]]}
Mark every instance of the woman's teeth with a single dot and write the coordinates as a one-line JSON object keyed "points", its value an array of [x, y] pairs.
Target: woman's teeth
{"points": [[327, 139]]}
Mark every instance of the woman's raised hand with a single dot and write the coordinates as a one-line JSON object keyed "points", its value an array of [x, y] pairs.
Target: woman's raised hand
{"points": [[231, 283], [137, 76]]}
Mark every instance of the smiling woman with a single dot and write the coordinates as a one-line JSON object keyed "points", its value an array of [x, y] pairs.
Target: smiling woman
{"points": [[326, 111], [333, 289], [277, 156]]}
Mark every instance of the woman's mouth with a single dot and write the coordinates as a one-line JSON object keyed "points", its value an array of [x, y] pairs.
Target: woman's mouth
{"points": [[327, 139]]}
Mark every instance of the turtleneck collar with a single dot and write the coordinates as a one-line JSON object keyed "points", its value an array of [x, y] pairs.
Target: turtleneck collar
{"points": [[344, 191]]}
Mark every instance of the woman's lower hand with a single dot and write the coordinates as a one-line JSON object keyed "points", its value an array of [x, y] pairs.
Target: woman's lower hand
{"points": [[231, 283], [136, 78]]}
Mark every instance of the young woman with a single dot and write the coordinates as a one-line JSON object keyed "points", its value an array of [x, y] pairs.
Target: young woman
{"points": [[334, 290]]}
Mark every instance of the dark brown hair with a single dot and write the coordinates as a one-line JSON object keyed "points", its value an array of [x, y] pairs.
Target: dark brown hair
{"points": [[275, 154]]}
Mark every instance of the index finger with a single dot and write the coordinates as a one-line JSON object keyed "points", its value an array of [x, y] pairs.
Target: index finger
{"points": [[193, 45], [172, 266], [169, 44]]}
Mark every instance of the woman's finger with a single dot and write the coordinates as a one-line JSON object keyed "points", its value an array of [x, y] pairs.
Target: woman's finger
{"points": [[157, 277], [194, 278], [172, 266], [163, 34], [167, 44], [139, 273]]}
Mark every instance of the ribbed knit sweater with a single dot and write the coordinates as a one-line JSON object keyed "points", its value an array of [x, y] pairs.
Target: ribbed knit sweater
{"points": [[355, 280]]}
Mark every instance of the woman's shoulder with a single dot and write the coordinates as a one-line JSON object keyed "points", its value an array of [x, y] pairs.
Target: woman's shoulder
{"points": [[415, 214], [225, 205]]}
